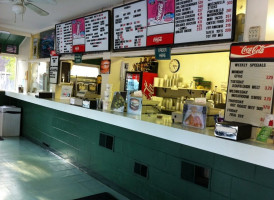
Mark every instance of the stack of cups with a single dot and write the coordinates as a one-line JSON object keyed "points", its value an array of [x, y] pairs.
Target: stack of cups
{"points": [[107, 97]]}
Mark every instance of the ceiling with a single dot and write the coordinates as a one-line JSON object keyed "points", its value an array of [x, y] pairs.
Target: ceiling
{"points": [[64, 10]]}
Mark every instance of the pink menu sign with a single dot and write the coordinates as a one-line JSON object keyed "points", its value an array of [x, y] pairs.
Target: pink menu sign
{"points": [[78, 35], [160, 11]]}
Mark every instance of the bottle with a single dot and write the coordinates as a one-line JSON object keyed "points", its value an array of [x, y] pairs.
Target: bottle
{"points": [[145, 65], [141, 64], [99, 82]]}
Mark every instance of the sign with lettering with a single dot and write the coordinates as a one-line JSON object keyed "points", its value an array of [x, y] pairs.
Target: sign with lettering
{"points": [[163, 53], [78, 58], [248, 51], [250, 92], [130, 25], [86, 34], [53, 69], [203, 20]]}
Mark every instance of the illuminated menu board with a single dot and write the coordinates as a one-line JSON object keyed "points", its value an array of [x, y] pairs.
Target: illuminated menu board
{"points": [[86, 34], [130, 25], [97, 32], [203, 20], [63, 37]]}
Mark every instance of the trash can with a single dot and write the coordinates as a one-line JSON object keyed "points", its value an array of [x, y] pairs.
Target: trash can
{"points": [[10, 118]]}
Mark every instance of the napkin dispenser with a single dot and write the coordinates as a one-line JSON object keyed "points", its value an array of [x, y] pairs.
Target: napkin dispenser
{"points": [[233, 130]]}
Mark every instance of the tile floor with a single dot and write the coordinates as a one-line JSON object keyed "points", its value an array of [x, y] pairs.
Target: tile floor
{"points": [[29, 172]]}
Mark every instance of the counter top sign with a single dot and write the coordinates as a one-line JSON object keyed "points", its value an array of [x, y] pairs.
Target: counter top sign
{"points": [[53, 69], [130, 24], [203, 20], [251, 82]]}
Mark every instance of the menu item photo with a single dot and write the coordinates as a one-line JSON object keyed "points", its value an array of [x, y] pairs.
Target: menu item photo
{"points": [[134, 105], [194, 116]]}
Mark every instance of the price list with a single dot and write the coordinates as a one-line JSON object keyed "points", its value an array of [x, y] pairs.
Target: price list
{"points": [[203, 20], [97, 32], [250, 92], [64, 38], [130, 25]]}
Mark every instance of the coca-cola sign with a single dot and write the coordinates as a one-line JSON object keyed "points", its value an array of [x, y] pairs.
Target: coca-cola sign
{"points": [[258, 49], [252, 51], [160, 39]]}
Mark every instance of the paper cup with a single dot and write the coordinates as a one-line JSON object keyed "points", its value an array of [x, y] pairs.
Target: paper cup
{"points": [[156, 81]]}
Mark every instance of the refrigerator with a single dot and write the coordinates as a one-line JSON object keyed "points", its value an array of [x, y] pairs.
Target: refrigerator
{"points": [[250, 83], [140, 81]]}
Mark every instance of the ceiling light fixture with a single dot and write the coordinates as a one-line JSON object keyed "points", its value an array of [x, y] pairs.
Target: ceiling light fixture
{"points": [[18, 9]]}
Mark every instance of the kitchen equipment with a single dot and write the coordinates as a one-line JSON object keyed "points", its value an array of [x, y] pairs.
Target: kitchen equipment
{"points": [[177, 117], [233, 130], [44, 95], [141, 81], [10, 117]]}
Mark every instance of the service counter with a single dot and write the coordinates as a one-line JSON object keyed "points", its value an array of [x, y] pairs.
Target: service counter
{"points": [[247, 150]]}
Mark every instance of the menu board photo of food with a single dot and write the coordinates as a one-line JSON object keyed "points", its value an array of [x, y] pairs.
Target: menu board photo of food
{"points": [[194, 116]]}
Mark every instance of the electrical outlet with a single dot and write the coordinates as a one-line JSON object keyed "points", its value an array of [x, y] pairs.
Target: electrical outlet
{"points": [[254, 33]]}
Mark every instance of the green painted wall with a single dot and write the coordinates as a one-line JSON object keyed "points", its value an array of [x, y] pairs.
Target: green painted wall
{"points": [[77, 139]]}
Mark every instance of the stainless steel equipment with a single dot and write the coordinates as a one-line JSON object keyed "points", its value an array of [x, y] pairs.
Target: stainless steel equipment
{"points": [[10, 117]]}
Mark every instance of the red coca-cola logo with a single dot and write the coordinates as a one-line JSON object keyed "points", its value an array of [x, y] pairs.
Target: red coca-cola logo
{"points": [[258, 49], [157, 39]]}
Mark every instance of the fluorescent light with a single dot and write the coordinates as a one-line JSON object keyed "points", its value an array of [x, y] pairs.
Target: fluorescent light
{"points": [[6, 32]]}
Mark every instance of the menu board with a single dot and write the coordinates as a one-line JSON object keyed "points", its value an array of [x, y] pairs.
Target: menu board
{"points": [[203, 20], [250, 92], [86, 34], [130, 25], [63, 38], [97, 32], [160, 22]]}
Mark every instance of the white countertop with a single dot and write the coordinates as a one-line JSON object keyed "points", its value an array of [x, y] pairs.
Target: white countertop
{"points": [[246, 150]]}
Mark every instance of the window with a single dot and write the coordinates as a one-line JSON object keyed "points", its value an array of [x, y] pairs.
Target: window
{"points": [[84, 71], [7, 73]]}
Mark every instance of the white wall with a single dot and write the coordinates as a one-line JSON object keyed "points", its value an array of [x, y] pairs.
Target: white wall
{"points": [[22, 63]]}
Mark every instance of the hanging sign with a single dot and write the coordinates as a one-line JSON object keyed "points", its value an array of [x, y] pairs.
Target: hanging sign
{"points": [[78, 58], [53, 69], [163, 53]]}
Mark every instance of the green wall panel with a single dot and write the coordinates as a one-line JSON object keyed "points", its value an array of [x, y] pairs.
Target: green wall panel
{"points": [[77, 139]]}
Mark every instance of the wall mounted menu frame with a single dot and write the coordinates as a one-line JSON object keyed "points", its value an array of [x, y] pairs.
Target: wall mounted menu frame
{"points": [[139, 26], [251, 82], [221, 18], [214, 8], [66, 43]]}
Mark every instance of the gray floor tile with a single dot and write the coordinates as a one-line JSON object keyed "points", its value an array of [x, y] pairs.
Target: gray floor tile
{"points": [[29, 172]]}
